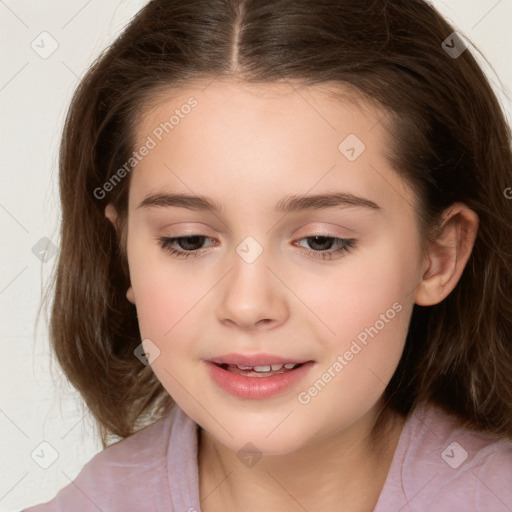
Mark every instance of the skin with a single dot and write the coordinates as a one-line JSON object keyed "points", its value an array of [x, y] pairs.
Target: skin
{"points": [[247, 146]]}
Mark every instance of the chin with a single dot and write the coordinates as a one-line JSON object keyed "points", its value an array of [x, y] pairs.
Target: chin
{"points": [[257, 439]]}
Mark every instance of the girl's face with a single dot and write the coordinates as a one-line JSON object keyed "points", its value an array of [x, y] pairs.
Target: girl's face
{"points": [[256, 280]]}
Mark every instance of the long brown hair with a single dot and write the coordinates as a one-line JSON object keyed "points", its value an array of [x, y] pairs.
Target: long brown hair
{"points": [[450, 141]]}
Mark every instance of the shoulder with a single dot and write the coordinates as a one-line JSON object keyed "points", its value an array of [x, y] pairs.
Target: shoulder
{"points": [[445, 466], [131, 472]]}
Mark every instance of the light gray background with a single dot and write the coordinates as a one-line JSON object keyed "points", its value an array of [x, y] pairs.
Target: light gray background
{"points": [[36, 403]]}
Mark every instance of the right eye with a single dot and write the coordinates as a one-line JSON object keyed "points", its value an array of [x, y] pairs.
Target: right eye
{"points": [[187, 245]]}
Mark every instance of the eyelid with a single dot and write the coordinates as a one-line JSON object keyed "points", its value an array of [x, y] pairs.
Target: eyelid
{"points": [[320, 227], [315, 228], [186, 231]]}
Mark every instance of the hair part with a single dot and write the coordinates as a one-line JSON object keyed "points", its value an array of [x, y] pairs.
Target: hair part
{"points": [[449, 141]]}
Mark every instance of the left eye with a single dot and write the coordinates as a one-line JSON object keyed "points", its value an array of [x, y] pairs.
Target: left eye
{"points": [[342, 244], [190, 245]]}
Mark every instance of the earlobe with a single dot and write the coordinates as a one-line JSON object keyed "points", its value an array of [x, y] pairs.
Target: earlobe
{"points": [[130, 296], [448, 255], [111, 214]]}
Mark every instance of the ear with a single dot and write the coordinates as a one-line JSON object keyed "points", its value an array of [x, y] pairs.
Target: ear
{"points": [[448, 254], [111, 215]]}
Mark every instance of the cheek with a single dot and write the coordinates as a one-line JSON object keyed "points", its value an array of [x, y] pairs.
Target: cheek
{"points": [[367, 285], [360, 357], [171, 298], [365, 310], [157, 298], [165, 311], [163, 302]]}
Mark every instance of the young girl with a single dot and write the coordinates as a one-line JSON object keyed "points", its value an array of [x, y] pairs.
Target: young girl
{"points": [[286, 264]]}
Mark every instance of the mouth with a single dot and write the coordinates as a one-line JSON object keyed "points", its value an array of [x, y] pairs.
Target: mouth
{"points": [[258, 381]]}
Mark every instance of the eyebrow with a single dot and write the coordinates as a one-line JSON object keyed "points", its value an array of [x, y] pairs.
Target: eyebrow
{"points": [[287, 204]]}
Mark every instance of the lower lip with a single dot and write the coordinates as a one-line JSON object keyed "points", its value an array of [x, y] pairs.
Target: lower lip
{"points": [[257, 388]]}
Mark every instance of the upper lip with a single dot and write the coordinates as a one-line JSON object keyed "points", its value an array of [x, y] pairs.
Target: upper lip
{"points": [[255, 359]]}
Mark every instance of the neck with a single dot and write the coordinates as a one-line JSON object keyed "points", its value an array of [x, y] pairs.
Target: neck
{"points": [[345, 471]]}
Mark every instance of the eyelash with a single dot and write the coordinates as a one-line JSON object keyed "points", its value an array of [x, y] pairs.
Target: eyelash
{"points": [[346, 245]]}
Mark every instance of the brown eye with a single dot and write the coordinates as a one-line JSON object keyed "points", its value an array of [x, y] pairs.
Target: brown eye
{"points": [[321, 246], [184, 246]]}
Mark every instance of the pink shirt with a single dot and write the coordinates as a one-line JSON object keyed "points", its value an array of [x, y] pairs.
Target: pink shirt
{"points": [[437, 467]]}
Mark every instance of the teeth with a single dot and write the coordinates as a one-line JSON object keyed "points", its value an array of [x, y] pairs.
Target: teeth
{"points": [[268, 368], [262, 368]]}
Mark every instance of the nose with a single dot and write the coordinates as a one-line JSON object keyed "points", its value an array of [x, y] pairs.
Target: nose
{"points": [[252, 296]]}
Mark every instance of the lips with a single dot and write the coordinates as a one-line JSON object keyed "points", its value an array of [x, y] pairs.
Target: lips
{"points": [[257, 376]]}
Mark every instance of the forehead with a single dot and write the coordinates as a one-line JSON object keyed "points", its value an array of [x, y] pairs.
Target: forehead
{"points": [[228, 136], [281, 98]]}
